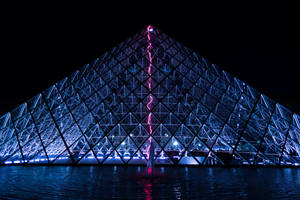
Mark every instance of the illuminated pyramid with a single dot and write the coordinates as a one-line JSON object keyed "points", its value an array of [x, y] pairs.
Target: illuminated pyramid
{"points": [[150, 92]]}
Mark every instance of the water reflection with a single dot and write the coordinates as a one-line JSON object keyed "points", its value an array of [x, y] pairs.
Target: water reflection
{"points": [[91, 182], [147, 184]]}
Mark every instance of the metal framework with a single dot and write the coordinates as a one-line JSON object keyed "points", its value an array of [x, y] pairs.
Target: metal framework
{"points": [[112, 110]]}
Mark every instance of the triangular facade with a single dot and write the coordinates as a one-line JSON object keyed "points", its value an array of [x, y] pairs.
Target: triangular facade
{"points": [[150, 91]]}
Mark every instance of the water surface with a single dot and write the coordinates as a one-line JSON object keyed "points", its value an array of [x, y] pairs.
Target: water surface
{"points": [[109, 182]]}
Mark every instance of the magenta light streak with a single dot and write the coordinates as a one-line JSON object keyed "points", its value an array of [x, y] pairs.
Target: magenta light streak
{"points": [[149, 103], [149, 47]]}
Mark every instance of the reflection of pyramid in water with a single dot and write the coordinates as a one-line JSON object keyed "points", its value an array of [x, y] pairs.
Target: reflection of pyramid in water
{"points": [[201, 115]]}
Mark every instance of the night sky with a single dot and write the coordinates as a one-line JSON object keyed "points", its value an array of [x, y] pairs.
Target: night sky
{"points": [[39, 48]]}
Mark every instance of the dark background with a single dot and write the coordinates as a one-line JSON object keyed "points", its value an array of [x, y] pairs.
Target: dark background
{"points": [[41, 46]]}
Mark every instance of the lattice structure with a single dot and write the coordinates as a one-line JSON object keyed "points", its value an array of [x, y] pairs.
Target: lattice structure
{"points": [[200, 115]]}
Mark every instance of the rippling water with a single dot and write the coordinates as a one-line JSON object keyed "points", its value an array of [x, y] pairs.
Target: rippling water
{"points": [[92, 182]]}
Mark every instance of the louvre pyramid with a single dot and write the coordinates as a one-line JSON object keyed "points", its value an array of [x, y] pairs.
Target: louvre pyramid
{"points": [[150, 89]]}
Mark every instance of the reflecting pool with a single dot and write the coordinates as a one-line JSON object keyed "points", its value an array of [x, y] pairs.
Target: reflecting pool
{"points": [[115, 182]]}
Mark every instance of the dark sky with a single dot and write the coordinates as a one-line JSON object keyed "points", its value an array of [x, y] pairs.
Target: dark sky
{"points": [[41, 47]]}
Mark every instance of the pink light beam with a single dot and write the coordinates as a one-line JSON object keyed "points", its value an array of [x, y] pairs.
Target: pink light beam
{"points": [[149, 123]]}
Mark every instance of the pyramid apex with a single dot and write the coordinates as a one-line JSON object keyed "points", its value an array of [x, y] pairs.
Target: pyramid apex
{"points": [[150, 28]]}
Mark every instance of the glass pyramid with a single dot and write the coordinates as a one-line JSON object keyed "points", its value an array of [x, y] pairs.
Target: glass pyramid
{"points": [[150, 93]]}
